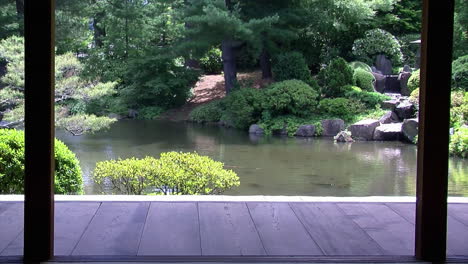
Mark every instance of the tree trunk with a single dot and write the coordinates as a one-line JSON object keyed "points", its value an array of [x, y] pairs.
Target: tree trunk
{"points": [[20, 16], [265, 64], [229, 65]]}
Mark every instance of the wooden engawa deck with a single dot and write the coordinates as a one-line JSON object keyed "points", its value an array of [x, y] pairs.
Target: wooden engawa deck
{"points": [[206, 228]]}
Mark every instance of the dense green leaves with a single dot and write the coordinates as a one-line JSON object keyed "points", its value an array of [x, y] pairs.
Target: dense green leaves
{"points": [[364, 80], [290, 66], [174, 173], [375, 42], [335, 77], [460, 73], [68, 178]]}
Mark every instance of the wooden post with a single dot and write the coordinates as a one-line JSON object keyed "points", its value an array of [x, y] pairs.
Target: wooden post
{"points": [[39, 130], [434, 119]]}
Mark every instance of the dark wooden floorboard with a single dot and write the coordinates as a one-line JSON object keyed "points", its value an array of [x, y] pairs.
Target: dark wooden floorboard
{"points": [[281, 231], [392, 232], [335, 232], [171, 229], [228, 229], [115, 230], [71, 220], [459, 212], [11, 225]]}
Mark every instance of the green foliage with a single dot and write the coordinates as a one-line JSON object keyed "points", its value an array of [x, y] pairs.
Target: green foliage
{"points": [[459, 110], [210, 112], [359, 65], [149, 112], [413, 81], [70, 89], [364, 80], [68, 178], [370, 99], [335, 77], [243, 107], [460, 73], [174, 173], [460, 33], [375, 42], [129, 176], [340, 107], [409, 49], [80, 124], [414, 96], [292, 97], [290, 123], [212, 62], [156, 80], [291, 66], [459, 143], [404, 18]]}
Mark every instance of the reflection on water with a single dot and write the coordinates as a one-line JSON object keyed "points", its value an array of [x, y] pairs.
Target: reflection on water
{"points": [[268, 166]]}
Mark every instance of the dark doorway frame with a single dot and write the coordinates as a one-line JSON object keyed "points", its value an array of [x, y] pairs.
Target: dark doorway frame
{"points": [[432, 172]]}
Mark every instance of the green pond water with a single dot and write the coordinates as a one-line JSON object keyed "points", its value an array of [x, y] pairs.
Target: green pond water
{"points": [[268, 165]]}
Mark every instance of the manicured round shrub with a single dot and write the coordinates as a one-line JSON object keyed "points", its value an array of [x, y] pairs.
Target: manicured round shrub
{"points": [[340, 107], [210, 112], [360, 65], [413, 81], [459, 143], [375, 42], [243, 107], [369, 99], [414, 96], [460, 73], [334, 77], [364, 80], [290, 97], [174, 173], [212, 63], [290, 66], [68, 179]]}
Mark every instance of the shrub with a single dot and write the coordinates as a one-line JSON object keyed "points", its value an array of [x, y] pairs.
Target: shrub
{"points": [[149, 112], [68, 178], [291, 123], [364, 80], [413, 81], [340, 107], [375, 42], [334, 77], [81, 124], [210, 112], [414, 96], [290, 97], [290, 66], [173, 173], [243, 107], [157, 81], [460, 73], [459, 143], [212, 62], [370, 99], [408, 49], [355, 65]]}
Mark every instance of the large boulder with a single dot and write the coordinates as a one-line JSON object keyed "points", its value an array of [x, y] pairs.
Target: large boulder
{"points": [[410, 129], [390, 104], [383, 64], [379, 84], [364, 129], [403, 78], [388, 132], [405, 110], [256, 130], [343, 136], [389, 117], [305, 131], [331, 127]]}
